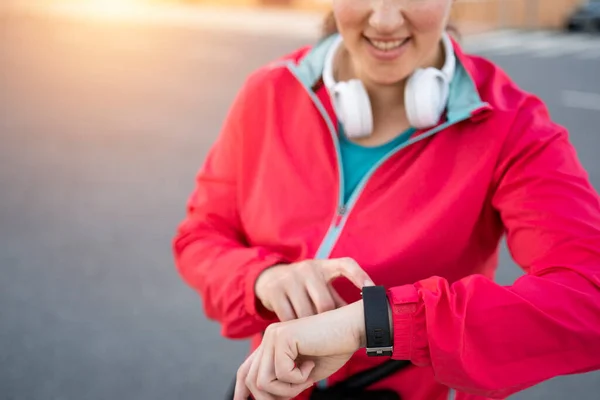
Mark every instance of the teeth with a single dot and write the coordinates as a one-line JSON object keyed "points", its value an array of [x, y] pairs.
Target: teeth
{"points": [[386, 46]]}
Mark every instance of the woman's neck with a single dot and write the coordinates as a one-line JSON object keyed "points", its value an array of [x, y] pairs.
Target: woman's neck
{"points": [[387, 101]]}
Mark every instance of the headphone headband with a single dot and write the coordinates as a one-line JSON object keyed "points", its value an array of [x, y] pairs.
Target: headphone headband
{"points": [[328, 78], [450, 59]]}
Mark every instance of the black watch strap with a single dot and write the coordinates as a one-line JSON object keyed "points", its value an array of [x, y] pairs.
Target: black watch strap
{"points": [[377, 321]]}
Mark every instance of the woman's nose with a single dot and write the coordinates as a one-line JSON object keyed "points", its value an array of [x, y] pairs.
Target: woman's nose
{"points": [[387, 16]]}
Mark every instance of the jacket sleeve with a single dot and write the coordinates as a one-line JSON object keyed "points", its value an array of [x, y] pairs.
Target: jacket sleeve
{"points": [[492, 340], [210, 248]]}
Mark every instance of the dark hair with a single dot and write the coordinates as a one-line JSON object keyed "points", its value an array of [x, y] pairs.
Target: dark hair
{"points": [[330, 27]]}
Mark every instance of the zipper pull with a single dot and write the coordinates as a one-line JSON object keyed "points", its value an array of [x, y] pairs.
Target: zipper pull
{"points": [[341, 211]]}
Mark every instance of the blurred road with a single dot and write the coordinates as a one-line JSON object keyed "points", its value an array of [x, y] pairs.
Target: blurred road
{"points": [[103, 127]]}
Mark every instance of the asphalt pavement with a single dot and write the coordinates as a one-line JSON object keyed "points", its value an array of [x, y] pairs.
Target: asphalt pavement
{"points": [[103, 127]]}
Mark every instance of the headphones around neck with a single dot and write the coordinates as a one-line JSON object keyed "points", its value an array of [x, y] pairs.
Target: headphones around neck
{"points": [[426, 94]]}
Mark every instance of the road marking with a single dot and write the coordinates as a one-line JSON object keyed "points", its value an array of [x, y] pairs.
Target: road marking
{"points": [[581, 100], [528, 42], [569, 44], [542, 44], [491, 42]]}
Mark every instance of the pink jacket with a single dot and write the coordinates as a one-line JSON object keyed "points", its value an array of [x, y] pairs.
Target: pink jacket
{"points": [[426, 223]]}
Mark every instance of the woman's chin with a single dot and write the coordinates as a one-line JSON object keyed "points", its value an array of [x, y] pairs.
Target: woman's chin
{"points": [[386, 79]]}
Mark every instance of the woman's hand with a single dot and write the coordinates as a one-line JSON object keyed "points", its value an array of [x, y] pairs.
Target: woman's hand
{"points": [[303, 289], [295, 354]]}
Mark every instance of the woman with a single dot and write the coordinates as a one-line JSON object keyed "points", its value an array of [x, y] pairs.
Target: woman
{"points": [[386, 156]]}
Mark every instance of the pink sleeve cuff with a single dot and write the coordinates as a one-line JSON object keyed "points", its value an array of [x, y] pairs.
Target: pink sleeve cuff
{"points": [[410, 328]]}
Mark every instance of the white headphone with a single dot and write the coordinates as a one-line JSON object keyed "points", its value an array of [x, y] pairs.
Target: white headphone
{"points": [[425, 96]]}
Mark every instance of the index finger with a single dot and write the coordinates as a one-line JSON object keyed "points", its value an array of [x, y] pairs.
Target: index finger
{"points": [[347, 268]]}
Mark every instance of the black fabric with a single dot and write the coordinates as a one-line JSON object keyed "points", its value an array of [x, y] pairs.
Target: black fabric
{"points": [[355, 386], [363, 395]]}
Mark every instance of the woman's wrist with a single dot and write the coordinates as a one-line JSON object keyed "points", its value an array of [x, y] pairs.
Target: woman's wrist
{"points": [[359, 328]]}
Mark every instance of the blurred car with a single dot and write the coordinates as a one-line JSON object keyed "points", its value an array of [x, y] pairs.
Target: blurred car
{"points": [[585, 18]]}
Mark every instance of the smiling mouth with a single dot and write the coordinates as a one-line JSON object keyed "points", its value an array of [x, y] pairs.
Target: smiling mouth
{"points": [[387, 45]]}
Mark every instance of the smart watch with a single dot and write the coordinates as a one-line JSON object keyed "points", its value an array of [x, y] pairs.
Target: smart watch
{"points": [[377, 321]]}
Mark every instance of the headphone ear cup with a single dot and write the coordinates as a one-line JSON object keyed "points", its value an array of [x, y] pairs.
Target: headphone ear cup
{"points": [[353, 108], [425, 97]]}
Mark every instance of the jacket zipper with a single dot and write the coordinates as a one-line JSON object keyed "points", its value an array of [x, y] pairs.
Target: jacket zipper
{"points": [[341, 211]]}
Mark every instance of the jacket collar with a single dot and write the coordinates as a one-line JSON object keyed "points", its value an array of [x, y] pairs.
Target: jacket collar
{"points": [[464, 99]]}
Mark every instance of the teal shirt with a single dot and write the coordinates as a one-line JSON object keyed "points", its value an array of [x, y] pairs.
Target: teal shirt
{"points": [[357, 160]]}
